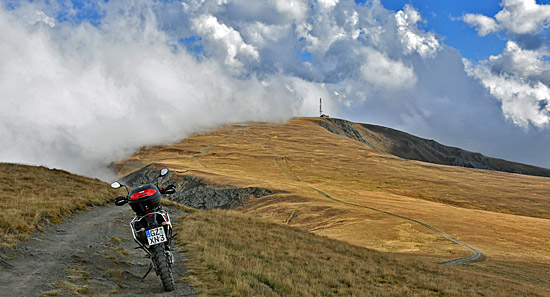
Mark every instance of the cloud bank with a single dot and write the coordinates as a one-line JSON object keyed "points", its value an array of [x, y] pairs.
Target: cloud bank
{"points": [[76, 96], [83, 85]]}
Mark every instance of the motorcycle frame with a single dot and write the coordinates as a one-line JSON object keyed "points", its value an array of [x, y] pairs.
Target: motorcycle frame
{"points": [[136, 218]]}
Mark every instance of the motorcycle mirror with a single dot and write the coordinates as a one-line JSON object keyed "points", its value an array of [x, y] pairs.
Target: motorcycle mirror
{"points": [[116, 185], [121, 200], [164, 171]]}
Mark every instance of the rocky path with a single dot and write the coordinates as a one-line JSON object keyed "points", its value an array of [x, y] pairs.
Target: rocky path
{"points": [[91, 254]]}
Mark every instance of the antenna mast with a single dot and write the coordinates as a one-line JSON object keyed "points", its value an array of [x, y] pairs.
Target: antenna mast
{"points": [[321, 114]]}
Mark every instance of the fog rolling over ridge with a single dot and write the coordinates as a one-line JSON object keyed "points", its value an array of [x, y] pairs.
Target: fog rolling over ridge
{"points": [[78, 96], [83, 85]]}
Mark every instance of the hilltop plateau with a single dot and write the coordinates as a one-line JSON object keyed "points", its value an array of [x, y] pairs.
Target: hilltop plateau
{"points": [[361, 184]]}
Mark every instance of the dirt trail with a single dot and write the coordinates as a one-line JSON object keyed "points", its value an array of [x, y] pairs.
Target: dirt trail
{"points": [[476, 253], [90, 254]]}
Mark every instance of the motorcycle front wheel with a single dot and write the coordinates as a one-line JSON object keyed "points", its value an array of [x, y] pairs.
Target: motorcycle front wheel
{"points": [[161, 265]]}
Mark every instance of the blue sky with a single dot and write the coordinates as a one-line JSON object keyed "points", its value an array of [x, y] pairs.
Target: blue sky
{"points": [[443, 17], [158, 71]]}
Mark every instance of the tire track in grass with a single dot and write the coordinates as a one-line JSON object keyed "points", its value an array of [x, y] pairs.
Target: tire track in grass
{"points": [[208, 146], [476, 253]]}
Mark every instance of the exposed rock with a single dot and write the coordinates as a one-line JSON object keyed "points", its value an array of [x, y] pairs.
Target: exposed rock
{"points": [[146, 175], [193, 191]]}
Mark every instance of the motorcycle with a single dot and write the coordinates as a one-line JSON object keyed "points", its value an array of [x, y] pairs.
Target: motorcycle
{"points": [[151, 226]]}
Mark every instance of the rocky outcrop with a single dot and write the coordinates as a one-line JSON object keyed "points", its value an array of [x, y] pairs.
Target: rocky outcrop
{"points": [[410, 147], [192, 191]]}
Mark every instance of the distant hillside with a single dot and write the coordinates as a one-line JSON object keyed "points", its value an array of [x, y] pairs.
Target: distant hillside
{"points": [[411, 147]]}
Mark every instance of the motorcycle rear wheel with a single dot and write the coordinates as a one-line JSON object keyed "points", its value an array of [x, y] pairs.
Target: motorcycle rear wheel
{"points": [[164, 271]]}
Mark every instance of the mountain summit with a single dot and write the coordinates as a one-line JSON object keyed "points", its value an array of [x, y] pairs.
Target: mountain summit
{"points": [[410, 147]]}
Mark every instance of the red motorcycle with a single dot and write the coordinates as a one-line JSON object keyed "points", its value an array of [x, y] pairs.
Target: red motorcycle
{"points": [[151, 226]]}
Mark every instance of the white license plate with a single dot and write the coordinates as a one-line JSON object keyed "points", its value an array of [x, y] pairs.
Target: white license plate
{"points": [[156, 236]]}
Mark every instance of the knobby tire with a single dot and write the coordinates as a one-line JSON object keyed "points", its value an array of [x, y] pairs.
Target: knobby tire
{"points": [[163, 269]]}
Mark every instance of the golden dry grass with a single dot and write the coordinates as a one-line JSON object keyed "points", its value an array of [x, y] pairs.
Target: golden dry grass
{"points": [[30, 196], [74, 289], [323, 181], [234, 254]]}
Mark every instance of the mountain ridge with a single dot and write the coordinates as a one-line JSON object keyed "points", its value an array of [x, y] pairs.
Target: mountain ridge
{"points": [[411, 147]]}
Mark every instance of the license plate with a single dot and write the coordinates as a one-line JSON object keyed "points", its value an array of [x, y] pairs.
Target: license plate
{"points": [[156, 236]]}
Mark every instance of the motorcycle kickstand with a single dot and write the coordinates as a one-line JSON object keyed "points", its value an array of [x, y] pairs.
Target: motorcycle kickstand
{"points": [[147, 273]]}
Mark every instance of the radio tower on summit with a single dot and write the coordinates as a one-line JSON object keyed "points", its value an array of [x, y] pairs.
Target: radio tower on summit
{"points": [[321, 114]]}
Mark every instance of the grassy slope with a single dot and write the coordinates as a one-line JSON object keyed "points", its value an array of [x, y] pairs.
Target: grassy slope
{"points": [[504, 215], [233, 254], [31, 195]]}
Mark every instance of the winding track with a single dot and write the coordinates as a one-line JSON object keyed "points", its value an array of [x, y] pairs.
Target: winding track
{"points": [[476, 253]]}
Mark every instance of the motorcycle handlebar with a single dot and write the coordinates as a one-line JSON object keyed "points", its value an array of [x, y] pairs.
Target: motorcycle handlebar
{"points": [[121, 200], [171, 189]]}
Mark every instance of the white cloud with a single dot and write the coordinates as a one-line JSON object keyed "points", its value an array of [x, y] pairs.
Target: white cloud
{"points": [[524, 63], [515, 78], [523, 16], [230, 39], [412, 39], [328, 3], [518, 77], [42, 17], [295, 9], [261, 35], [524, 103], [384, 73], [484, 25], [516, 16]]}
